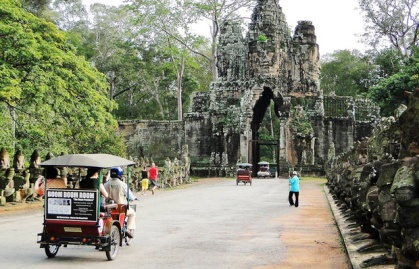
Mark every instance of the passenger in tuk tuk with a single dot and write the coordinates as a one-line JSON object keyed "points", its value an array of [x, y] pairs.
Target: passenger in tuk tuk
{"points": [[89, 182], [117, 191]]}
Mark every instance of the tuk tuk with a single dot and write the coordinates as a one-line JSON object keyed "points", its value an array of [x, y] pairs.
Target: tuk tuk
{"points": [[73, 216], [263, 170], [244, 173]]}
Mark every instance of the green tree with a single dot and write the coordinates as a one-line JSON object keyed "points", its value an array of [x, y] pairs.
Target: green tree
{"points": [[150, 74], [393, 23], [50, 98], [389, 93], [114, 49], [346, 73], [387, 62], [175, 18], [72, 14], [216, 12], [39, 8], [165, 25]]}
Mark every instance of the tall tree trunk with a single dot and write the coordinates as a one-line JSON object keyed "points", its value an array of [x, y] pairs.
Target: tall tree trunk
{"points": [[111, 76], [157, 97], [180, 72], [214, 34]]}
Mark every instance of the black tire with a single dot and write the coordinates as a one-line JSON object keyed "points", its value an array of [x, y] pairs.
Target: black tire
{"points": [[115, 237], [51, 250], [237, 182], [250, 183]]}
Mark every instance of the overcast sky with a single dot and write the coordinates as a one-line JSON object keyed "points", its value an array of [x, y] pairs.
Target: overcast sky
{"points": [[337, 22]]}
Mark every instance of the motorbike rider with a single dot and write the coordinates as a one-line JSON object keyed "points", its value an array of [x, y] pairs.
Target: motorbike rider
{"points": [[117, 191]]}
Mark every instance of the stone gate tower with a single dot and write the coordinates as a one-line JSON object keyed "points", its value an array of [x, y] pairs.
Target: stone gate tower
{"points": [[266, 65], [269, 65]]}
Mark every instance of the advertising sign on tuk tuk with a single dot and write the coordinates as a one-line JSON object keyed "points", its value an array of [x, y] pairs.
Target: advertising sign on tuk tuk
{"points": [[71, 204]]}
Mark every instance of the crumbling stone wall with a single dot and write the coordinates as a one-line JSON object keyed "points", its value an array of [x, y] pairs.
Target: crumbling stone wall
{"points": [[154, 139], [377, 183]]}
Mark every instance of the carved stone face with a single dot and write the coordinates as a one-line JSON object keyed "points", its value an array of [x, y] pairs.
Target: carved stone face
{"points": [[19, 162], [4, 159], [362, 158], [35, 160]]}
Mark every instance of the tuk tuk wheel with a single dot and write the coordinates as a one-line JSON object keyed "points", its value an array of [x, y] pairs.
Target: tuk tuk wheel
{"points": [[237, 182], [51, 250], [114, 242]]}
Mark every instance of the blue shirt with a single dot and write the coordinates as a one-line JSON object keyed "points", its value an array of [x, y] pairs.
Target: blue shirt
{"points": [[295, 184]]}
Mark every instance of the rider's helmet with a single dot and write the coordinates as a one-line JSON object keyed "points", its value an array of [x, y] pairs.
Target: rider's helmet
{"points": [[117, 172]]}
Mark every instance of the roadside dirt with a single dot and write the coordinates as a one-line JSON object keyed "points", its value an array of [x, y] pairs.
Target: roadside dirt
{"points": [[310, 234]]}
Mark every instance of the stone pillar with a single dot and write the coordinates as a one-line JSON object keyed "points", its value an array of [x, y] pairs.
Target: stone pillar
{"points": [[244, 148], [329, 134], [312, 149], [245, 137], [319, 153], [351, 134], [282, 140]]}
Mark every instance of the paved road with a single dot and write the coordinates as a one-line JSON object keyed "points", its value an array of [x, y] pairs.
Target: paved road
{"points": [[216, 225]]}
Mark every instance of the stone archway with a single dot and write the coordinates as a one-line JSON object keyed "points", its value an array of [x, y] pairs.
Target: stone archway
{"points": [[259, 111]]}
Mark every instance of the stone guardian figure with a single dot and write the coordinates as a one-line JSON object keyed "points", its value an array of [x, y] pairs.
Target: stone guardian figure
{"points": [[7, 188], [20, 178]]}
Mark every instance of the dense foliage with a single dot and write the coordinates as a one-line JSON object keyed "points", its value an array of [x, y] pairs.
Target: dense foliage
{"points": [[389, 93], [50, 99], [345, 73], [388, 69], [391, 24], [381, 76]]}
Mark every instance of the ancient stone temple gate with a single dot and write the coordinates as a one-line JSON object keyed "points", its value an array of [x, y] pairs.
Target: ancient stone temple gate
{"points": [[267, 65]]}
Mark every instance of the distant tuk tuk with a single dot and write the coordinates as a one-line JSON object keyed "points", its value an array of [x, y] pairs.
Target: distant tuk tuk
{"points": [[73, 216], [244, 173], [263, 170]]}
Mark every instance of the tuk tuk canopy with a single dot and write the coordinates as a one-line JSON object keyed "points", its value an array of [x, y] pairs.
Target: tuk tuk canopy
{"points": [[87, 160]]}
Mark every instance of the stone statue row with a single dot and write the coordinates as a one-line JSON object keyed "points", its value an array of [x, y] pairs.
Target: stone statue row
{"points": [[175, 172], [377, 184], [17, 183]]}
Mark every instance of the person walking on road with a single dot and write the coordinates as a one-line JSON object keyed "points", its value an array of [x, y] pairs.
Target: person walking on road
{"points": [[153, 174], [144, 181], [294, 182]]}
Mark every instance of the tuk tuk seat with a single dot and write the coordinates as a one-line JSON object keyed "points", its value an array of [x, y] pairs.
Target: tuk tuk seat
{"points": [[56, 183], [111, 206], [243, 174]]}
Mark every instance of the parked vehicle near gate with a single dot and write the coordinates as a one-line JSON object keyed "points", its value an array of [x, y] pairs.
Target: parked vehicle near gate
{"points": [[263, 170]]}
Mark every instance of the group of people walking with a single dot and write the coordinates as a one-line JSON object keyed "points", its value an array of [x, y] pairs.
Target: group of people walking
{"points": [[147, 177]]}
